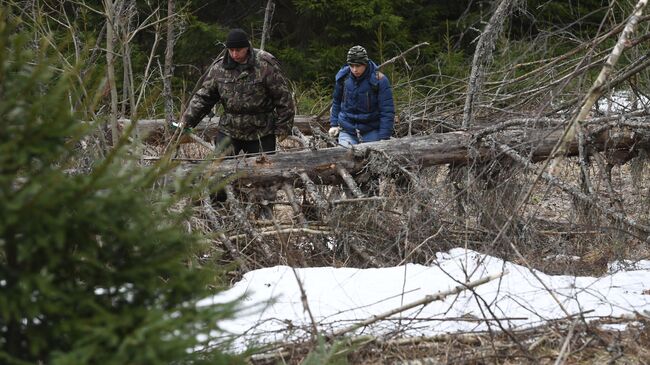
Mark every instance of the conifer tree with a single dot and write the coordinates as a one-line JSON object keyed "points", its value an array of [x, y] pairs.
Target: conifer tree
{"points": [[94, 269]]}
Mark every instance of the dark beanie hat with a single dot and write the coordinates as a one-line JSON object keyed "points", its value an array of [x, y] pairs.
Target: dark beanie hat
{"points": [[357, 54], [237, 38]]}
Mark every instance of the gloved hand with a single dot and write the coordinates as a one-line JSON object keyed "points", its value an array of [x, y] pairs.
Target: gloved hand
{"points": [[177, 125], [281, 137], [334, 131]]}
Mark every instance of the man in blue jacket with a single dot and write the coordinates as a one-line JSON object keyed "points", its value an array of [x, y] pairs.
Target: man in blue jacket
{"points": [[362, 106]]}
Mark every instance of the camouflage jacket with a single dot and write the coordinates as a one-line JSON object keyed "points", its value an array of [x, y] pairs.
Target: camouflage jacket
{"points": [[255, 97]]}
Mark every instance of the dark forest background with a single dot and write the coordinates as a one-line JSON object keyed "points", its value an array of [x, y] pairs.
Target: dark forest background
{"points": [[311, 38]]}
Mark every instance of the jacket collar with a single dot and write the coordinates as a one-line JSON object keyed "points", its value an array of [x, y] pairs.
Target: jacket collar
{"points": [[229, 63]]}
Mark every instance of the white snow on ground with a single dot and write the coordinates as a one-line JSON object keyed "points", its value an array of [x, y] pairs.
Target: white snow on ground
{"points": [[621, 101], [272, 309]]}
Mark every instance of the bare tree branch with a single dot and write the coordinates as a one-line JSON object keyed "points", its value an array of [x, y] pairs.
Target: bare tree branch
{"points": [[483, 57], [422, 302]]}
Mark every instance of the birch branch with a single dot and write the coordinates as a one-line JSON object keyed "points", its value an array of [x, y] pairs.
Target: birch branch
{"points": [[597, 88], [283, 231]]}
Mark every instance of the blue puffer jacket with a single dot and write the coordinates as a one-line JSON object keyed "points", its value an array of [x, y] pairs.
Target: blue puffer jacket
{"points": [[363, 103]]}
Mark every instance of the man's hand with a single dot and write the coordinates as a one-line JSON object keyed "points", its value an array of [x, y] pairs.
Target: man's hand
{"points": [[177, 125], [281, 137], [334, 131]]}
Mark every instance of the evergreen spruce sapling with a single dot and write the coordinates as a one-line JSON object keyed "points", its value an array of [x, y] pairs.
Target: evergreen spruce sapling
{"points": [[93, 267]]}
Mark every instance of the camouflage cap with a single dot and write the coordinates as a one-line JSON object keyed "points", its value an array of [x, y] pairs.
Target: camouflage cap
{"points": [[358, 54]]}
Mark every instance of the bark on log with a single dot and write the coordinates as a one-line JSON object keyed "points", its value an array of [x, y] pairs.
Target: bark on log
{"points": [[322, 166], [153, 129]]}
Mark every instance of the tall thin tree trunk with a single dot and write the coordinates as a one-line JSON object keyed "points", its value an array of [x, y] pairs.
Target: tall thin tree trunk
{"points": [[169, 65], [268, 15], [126, 86], [128, 99], [109, 8], [130, 15], [129, 69]]}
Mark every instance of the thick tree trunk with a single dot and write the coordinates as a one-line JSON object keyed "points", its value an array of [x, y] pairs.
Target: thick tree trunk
{"points": [[449, 148]]}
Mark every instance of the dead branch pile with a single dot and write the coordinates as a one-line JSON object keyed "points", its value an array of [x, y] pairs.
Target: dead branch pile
{"points": [[570, 341]]}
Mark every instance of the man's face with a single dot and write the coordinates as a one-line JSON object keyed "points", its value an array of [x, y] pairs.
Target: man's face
{"points": [[357, 69], [239, 55]]}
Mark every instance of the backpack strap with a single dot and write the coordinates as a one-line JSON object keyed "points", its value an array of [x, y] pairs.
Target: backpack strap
{"points": [[374, 85], [343, 79], [341, 85]]}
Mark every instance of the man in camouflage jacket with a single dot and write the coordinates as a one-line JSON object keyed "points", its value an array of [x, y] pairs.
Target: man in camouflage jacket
{"points": [[257, 103]]}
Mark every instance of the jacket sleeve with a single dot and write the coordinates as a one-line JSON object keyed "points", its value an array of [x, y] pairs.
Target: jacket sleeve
{"points": [[336, 102], [202, 101], [278, 89], [386, 109]]}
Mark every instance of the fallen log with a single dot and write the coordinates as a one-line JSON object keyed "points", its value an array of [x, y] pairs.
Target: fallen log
{"points": [[154, 129], [457, 148]]}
